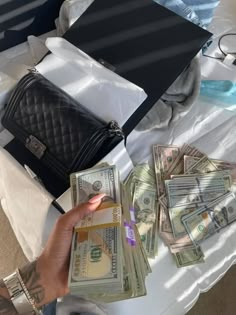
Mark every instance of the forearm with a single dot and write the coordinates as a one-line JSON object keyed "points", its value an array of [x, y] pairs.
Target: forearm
{"points": [[47, 277], [36, 281]]}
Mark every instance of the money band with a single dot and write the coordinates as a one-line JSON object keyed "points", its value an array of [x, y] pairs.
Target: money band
{"points": [[130, 236]]}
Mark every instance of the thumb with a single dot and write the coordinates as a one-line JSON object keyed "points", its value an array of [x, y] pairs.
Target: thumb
{"points": [[71, 218]]}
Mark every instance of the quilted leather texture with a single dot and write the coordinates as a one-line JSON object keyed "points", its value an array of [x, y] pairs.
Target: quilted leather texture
{"points": [[54, 118]]}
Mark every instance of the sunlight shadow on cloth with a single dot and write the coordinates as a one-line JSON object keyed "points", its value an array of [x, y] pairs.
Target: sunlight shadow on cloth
{"points": [[210, 272]]}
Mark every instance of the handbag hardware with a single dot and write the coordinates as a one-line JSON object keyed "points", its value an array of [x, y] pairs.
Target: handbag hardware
{"points": [[114, 129], [35, 146]]}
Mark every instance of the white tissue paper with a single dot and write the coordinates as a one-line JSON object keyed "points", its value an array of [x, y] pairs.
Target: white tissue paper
{"points": [[10, 74], [37, 48], [102, 91], [27, 206]]}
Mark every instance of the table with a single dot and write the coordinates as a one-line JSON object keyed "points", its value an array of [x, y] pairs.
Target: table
{"points": [[212, 130]]}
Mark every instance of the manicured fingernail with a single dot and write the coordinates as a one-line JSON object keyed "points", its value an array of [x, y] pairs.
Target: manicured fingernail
{"points": [[96, 198]]}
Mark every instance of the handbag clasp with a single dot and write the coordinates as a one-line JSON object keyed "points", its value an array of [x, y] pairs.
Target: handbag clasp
{"points": [[35, 146]]}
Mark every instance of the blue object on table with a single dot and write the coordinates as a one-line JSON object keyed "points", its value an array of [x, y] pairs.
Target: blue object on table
{"points": [[50, 309], [223, 91], [199, 12]]}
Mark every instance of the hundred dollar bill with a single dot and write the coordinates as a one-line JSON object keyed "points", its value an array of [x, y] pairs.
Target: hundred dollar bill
{"points": [[166, 233], [231, 167], [195, 198], [106, 297], [189, 161], [211, 177], [189, 257], [101, 219], [209, 219], [131, 289], [176, 215], [186, 197], [139, 282], [204, 165], [96, 259], [187, 190], [93, 181], [183, 249]]}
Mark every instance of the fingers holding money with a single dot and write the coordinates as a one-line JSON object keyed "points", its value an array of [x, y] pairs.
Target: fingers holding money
{"points": [[71, 218]]}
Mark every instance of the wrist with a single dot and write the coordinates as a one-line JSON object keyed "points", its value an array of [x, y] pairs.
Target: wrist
{"points": [[54, 278], [47, 281], [36, 282]]}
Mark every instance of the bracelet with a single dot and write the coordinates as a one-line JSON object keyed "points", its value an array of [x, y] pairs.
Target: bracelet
{"points": [[31, 301], [17, 295]]}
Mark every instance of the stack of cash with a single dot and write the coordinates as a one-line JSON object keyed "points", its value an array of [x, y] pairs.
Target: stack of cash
{"points": [[108, 262], [196, 199]]}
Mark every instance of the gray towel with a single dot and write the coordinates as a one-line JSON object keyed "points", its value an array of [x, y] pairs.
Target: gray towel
{"points": [[1, 115], [176, 101]]}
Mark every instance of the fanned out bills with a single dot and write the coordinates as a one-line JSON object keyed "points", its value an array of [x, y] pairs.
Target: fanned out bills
{"points": [[142, 197], [177, 167], [189, 257], [189, 190], [186, 187], [176, 215], [164, 157], [209, 219], [189, 161], [185, 199], [204, 165]]}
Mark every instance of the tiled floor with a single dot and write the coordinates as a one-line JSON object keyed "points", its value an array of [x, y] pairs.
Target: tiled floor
{"points": [[11, 255]]}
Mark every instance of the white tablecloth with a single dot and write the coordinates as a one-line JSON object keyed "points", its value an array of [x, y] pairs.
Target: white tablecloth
{"points": [[173, 291]]}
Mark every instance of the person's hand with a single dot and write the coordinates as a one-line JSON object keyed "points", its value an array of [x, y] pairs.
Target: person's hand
{"points": [[53, 264]]}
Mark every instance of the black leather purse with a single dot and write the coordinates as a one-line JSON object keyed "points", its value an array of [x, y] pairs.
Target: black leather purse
{"points": [[56, 129]]}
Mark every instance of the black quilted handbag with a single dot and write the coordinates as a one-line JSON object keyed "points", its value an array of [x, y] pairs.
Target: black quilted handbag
{"points": [[59, 131]]}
